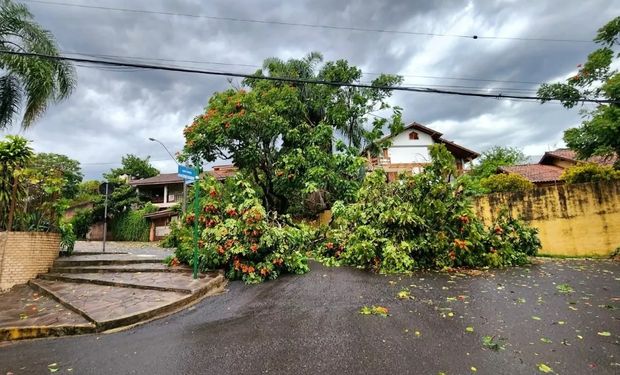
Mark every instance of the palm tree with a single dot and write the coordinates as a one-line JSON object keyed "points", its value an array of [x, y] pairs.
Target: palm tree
{"points": [[28, 81]]}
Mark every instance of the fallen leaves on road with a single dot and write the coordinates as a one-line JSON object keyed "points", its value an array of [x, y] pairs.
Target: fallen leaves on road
{"points": [[375, 310]]}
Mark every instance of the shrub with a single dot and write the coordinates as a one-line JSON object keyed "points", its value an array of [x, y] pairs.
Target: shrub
{"points": [[421, 221], [237, 234], [81, 222], [67, 237], [510, 182], [132, 226], [589, 172]]}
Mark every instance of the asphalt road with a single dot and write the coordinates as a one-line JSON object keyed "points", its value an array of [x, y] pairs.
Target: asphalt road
{"points": [[311, 324]]}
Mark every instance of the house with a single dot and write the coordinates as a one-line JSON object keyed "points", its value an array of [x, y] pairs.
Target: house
{"points": [[166, 190], [551, 166], [409, 151]]}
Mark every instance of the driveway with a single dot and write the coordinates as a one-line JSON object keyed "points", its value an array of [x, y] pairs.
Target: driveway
{"points": [[557, 315]]}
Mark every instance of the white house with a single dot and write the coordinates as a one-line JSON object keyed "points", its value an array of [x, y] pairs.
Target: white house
{"points": [[408, 151]]}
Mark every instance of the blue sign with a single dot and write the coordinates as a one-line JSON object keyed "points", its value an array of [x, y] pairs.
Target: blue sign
{"points": [[187, 173]]}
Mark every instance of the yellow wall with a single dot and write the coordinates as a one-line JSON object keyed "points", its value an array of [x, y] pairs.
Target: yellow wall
{"points": [[573, 220]]}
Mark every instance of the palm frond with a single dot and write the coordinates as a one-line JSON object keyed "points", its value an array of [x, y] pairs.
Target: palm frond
{"points": [[10, 98]]}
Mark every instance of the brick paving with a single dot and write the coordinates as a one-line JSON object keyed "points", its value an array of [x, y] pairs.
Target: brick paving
{"points": [[105, 303], [182, 282], [24, 307]]}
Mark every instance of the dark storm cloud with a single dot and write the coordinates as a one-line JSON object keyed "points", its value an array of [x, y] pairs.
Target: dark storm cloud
{"points": [[113, 112]]}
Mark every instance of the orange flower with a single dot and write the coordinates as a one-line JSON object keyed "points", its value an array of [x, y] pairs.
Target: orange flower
{"points": [[264, 272], [251, 269], [254, 248]]}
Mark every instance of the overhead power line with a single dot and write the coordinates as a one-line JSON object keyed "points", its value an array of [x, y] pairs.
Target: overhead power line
{"points": [[298, 24], [150, 59], [290, 80]]}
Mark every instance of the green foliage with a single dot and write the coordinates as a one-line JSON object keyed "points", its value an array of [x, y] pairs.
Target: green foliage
{"points": [[495, 157], [589, 172], [599, 134], [493, 343], [421, 221], [67, 237], [87, 191], [134, 167], [283, 136], [28, 84], [15, 156], [31, 192], [237, 234], [81, 222], [487, 165], [131, 225], [506, 182], [177, 232], [69, 169]]}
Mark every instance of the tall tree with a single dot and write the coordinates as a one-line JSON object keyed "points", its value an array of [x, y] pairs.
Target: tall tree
{"points": [[28, 84], [599, 134], [283, 134], [133, 166], [68, 169]]}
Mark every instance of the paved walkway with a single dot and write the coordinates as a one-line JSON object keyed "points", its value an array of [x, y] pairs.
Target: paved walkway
{"points": [[92, 292]]}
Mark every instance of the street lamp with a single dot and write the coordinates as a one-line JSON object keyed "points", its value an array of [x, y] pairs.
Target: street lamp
{"points": [[175, 160]]}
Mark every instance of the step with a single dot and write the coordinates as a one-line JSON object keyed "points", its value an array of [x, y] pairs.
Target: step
{"points": [[136, 267], [27, 313], [111, 306], [107, 259], [165, 282], [78, 253]]}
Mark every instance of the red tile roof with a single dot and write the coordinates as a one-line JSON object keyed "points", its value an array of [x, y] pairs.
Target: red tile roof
{"points": [[220, 172], [568, 154], [535, 172]]}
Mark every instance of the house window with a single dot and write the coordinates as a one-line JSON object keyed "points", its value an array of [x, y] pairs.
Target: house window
{"points": [[413, 135]]}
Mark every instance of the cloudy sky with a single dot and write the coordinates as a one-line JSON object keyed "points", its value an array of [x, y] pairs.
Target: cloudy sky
{"points": [[114, 112]]}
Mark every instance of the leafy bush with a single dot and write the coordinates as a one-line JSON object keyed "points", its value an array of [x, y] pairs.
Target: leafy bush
{"points": [[131, 225], [589, 172], [175, 237], [81, 222], [510, 182], [421, 221], [67, 237], [237, 234]]}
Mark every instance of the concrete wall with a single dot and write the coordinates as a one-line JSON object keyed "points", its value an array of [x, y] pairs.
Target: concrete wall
{"points": [[573, 220], [24, 255]]}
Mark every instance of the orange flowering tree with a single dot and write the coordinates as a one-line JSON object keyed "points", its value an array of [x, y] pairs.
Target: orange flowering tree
{"points": [[238, 235], [298, 143]]}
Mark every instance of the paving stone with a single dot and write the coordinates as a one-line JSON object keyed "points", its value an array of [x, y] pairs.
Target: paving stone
{"points": [[105, 304], [181, 282], [23, 311]]}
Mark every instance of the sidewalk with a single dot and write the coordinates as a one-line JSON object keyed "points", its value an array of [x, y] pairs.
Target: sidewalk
{"points": [[93, 292]]}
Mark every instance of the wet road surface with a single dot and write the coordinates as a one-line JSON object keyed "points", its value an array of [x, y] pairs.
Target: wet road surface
{"points": [[557, 315]]}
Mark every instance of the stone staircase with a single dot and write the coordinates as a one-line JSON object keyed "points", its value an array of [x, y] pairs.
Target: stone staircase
{"points": [[102, 291]]}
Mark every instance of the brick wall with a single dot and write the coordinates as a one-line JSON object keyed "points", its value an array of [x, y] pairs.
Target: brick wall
{"points": [[24, 255]]}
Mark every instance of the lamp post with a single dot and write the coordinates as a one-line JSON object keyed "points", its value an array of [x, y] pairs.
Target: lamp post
{"points": [[175, 160]]}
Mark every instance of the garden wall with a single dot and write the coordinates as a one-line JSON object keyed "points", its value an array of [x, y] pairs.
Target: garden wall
{"points": [[573, 220], [24, 255]]}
